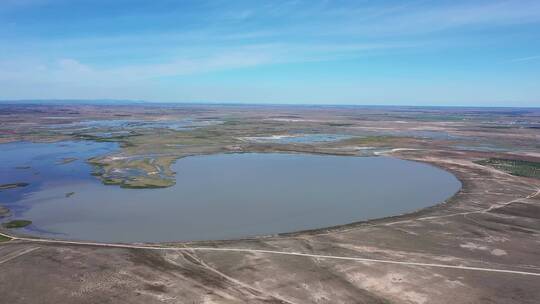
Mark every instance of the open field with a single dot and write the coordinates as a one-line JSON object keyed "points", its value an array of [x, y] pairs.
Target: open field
{"points": [[481, 246]]}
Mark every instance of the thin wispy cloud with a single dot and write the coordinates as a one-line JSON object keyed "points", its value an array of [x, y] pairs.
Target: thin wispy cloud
{"points": [[522, 59], [118, 42]]}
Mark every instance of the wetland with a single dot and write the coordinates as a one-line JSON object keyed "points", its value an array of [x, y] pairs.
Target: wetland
{"points": [[155, 173]]}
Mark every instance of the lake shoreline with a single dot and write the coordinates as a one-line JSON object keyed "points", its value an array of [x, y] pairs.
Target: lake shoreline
{"points": [[314, 231]]}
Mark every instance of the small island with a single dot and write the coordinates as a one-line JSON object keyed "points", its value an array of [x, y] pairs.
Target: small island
{"points": [[12, 186], [16, 224], [4, 211], [67, 160]]}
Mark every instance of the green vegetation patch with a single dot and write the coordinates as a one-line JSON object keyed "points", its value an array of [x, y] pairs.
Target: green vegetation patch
{"points": [[513, 166], [17, 224], [4, 238], [118, 138]]}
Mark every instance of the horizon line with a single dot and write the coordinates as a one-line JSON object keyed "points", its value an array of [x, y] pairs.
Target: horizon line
{"points": [[232, 103]]}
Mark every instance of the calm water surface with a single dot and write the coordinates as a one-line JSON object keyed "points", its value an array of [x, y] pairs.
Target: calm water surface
{"points": [[215, 197]]}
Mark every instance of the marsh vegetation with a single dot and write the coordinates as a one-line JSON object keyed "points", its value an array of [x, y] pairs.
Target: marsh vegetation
{"points": [[16, 224], [514, 166]]}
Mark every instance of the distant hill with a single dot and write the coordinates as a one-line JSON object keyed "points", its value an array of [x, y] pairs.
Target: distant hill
{"points": [[74, 101]]}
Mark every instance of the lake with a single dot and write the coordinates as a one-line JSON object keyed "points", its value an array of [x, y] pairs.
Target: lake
{"points": [[221, 196]]}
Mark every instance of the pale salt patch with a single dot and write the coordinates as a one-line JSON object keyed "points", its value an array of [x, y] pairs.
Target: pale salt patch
{"points": [[473, 246], [498, 252]]}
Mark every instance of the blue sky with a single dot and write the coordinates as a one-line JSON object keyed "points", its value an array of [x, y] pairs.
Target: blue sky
{"points": [[484, 53]]}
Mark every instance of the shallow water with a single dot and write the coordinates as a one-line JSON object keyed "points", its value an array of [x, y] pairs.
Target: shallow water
{"points": [[298, 138], [126, 125], [215, 197]]}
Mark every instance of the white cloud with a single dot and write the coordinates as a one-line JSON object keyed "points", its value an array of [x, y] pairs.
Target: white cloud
{"points": [[71, 70]]}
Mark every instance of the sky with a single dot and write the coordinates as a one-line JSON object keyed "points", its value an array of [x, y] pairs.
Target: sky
{"points": [[451, 53]]}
